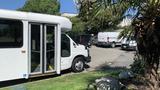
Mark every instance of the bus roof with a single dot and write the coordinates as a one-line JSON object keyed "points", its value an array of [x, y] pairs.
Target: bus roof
{"points": [[36, 17]]}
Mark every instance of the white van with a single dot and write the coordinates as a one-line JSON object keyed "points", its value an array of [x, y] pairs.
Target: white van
{"points": [[108, 39], [34, 45]]}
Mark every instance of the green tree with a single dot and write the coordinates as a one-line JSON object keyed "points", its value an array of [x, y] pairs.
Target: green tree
{"points": [[100, 15], [78, 27], [41, 6]]}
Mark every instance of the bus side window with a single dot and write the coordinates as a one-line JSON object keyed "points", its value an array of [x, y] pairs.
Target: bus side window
{"points": [[11, 33]]}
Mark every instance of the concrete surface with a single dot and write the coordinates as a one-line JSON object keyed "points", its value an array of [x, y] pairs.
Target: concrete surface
{"points": [[113, 57]]}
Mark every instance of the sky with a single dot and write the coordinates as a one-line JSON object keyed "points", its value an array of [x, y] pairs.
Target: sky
{"points": [[66, 5], [11, 4], [131, 12]]}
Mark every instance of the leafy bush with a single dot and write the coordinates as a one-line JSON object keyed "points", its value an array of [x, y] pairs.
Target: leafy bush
{"points": [[127, 31], [138, 67]]}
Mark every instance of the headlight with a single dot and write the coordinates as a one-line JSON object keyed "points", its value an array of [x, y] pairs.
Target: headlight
{"points": [[86, 47]]}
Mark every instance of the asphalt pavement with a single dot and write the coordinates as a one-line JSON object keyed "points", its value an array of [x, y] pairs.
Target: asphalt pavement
{"points": [[110, 57]]}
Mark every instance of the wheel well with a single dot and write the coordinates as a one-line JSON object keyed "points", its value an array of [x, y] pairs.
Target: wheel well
{"points": [[79, 56], [73, 63]]}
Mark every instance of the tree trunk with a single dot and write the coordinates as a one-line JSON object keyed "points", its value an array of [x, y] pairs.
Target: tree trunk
{"points": [[152, 79]]}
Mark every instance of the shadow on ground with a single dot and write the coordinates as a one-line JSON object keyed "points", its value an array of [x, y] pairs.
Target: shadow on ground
{"points": [[21, 81], [114, 71], [101, 46], [105, 67]]}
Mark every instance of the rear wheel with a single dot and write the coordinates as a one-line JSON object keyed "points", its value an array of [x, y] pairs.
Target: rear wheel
{"points": [[78, 64]]}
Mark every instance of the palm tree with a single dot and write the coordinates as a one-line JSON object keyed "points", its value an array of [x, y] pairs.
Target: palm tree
{"points": [[101, 14], [147, 33], [146, 28]]}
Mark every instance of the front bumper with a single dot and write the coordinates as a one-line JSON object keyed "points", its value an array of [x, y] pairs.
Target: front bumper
{"points": [[88, 59], [128, 47]]}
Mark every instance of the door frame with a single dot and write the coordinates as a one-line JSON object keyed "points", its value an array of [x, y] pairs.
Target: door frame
{"points": [[45, 48], [41, 48], [57, 52]]}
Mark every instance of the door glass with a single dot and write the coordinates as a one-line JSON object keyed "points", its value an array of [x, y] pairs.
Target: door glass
{"points": [[65, 46], [35, 48], [50, 48]]}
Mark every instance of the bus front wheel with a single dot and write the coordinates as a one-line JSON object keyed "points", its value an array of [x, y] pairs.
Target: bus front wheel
{"points": [[78, 64]]}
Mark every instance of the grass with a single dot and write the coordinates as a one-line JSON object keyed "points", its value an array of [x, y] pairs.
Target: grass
{"points": [[67, 82]]}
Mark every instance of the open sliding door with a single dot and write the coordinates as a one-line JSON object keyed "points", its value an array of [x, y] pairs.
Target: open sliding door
{"points": [[42, 48], [49, 48], [36, 48]]}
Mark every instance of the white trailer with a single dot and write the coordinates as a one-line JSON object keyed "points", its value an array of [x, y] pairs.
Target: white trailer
{"points": [[33, 44], [109, 39]]}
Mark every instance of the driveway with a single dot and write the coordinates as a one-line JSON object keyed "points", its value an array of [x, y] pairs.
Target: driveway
{"points": [[113, 57]]}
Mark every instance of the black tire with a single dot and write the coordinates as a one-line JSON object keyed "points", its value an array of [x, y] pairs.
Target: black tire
{"points": [[122, 47], [78, 64]]}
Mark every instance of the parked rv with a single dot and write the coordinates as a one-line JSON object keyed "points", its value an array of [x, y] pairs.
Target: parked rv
{"points": [[34, 44], [129, 43], [108, 39]]}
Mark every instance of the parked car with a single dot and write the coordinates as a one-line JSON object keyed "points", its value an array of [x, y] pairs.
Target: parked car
{"points": [[108, 39], [129, 43]]}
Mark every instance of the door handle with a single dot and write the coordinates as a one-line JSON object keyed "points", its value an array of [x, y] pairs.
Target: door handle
{"points": [[23, 51]]}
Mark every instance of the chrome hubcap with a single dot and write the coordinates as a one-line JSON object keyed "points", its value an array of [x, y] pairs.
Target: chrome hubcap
{"points": [[79, 65]]}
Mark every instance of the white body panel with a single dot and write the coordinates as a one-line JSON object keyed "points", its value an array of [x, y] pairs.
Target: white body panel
{"points": [[43, 18], [108, 37], [77, 50], [14, 63], [128, 43]]}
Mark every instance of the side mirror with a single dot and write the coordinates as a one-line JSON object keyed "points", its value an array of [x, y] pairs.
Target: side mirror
{"points": [[88, 45], [74, 45]]}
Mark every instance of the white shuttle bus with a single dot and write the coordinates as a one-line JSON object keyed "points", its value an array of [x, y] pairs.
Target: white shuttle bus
{"points": [[34, 44]]}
